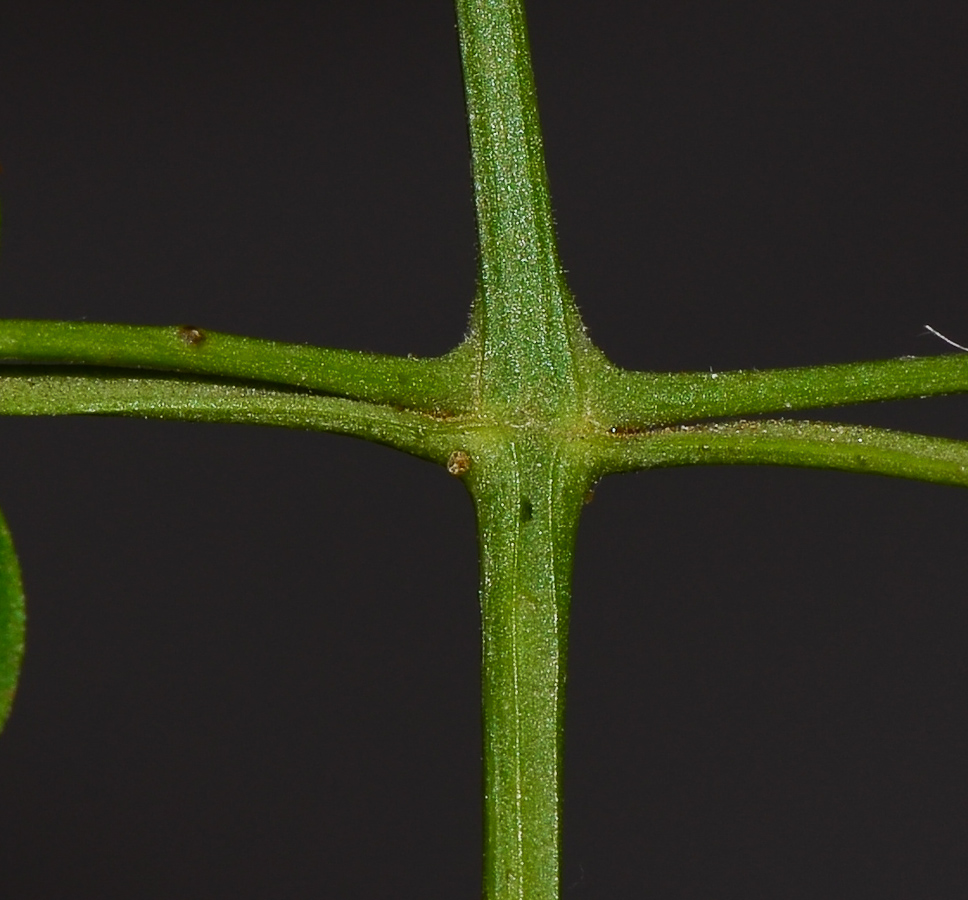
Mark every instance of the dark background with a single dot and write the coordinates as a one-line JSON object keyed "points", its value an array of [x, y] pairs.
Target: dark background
{"points": [[252, 664]]}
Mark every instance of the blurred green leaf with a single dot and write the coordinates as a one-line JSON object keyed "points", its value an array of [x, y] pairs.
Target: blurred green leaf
{"points": [[11, 621]]}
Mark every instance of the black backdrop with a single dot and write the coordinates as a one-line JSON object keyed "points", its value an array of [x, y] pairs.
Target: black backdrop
{"points": [[252, 655]]}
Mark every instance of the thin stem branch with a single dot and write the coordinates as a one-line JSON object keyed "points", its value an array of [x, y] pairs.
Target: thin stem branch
{"points": [[633, 400], [849, 448], [28, 390], [433, 385]]}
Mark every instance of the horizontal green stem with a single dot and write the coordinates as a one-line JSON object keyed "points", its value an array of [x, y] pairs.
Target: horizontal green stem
{"points": [[633, 400], [28, 391], [442, 384], [850, 448]]}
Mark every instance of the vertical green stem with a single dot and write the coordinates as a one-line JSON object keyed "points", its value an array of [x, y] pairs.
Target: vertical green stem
{"points": [[528, 488], [528, 499], [524, 312]]}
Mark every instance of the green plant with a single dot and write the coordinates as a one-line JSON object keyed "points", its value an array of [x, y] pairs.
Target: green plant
{"points": [[524, 398]]}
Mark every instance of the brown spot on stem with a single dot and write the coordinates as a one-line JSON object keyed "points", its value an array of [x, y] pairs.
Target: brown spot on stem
{"points": [[624, 430], [191, 335], [458, 462]]}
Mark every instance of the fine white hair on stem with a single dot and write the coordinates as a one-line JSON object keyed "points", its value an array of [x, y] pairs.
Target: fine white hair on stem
{"points": [[947, 340]]}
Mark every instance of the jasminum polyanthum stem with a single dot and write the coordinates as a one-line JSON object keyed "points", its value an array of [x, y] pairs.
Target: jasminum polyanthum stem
{"points": [[525, 410]]}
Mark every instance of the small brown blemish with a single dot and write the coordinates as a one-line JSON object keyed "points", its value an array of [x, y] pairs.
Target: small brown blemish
{"points": [[458, 462], [623, 430], [589, 496], [191, 335]]}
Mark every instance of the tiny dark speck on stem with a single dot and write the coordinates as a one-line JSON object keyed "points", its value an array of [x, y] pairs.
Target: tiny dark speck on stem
{"points": [[527, 510], [191, 335]]}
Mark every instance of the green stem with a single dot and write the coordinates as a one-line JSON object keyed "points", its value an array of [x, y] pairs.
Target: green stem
{"points": [[440, 384], [644, 400], [528, 495], [524, 312], [28, 390], [850, 448]]}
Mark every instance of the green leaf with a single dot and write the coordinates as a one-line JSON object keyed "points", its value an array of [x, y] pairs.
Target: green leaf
{"points": [[11, 621]]}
